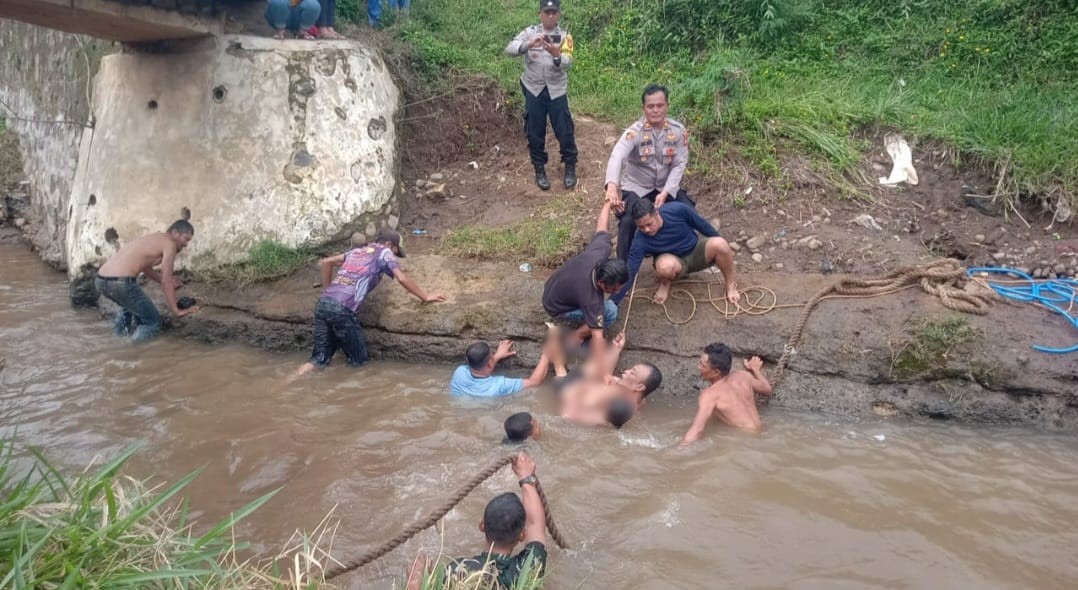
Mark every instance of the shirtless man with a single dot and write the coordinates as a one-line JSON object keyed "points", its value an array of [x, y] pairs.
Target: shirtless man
{"points": [[118, 280], [731, 396], [596, 397]]}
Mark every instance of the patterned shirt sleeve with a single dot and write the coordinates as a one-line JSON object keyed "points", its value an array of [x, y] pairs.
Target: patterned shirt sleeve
{"points": [[387, 262]]}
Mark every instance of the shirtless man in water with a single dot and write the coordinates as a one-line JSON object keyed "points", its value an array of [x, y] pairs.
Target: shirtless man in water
{"points": [[596, 397], [117, 279], [731, 396]]}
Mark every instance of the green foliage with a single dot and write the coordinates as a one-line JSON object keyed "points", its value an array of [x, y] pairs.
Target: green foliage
{"points": [[266, 260], [104, 530], [546, 238], [996, 78], [930, 343], [441, 577]]}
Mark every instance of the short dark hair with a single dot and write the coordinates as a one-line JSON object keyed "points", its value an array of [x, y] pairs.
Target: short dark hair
{"points": [[653, 380], [652, 89], [518, 427], [612, 272], [642, 208], [182, 226], [619, 412], [719, 357], [478, 354], [504, 519]]}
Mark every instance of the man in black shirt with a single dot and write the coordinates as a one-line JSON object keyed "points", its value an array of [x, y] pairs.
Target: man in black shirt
{"points": [[578, 290]]}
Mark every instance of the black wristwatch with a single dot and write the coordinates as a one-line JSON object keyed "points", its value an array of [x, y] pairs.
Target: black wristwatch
{"points": [[530, 479]]}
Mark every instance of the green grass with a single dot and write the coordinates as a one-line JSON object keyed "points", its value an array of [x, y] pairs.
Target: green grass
{"points": [[439, 577], [266, 260], [994, 78], [930, 342], [101, 529], [546, 238]]}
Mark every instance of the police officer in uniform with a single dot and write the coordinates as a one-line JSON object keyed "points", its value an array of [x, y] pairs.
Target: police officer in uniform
{"points": [[548, 53], [655, 152]]}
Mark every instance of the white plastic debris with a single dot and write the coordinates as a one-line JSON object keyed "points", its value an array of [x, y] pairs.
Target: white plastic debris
{"points": [[902, 156], [879, 437]]}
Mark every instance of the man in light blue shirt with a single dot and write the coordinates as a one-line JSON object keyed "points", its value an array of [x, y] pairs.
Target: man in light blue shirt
{"points": [[476, 379]]}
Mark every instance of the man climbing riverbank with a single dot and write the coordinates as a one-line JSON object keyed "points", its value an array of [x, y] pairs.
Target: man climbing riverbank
{"points": [[117, 280], [336, 322], [670, 235], [655, 153], [548, 53], [578, 290], [730, 396]]}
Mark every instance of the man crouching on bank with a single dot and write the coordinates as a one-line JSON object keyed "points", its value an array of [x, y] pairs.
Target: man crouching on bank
{"points": [[336, 321]]}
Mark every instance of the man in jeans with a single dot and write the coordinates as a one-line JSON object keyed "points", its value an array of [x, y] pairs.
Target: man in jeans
{"points": [[336, 325], [117, 280]]}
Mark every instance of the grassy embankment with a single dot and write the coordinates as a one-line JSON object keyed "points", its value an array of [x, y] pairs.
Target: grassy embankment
{"points": [[995, 79]]}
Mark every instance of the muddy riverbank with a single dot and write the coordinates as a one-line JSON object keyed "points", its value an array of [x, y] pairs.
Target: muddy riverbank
{"points": [[855, 358]]}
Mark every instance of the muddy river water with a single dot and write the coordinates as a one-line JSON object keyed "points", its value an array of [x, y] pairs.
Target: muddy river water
{"points": [[812, 502]]}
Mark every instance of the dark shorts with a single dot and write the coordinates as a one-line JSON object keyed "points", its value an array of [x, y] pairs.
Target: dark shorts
{"points": [[337, 328], [696, 260]]}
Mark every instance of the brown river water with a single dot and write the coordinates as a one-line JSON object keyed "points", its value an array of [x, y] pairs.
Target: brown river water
{"points": [[811, 503]]}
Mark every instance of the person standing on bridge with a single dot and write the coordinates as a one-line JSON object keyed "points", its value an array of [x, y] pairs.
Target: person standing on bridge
{"points": [[336, 325], [117, 280], [655, 152], [295, 16], [548, 54]]}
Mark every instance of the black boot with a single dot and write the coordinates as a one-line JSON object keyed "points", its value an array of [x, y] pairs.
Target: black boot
{"points": [[540, 178], [570, 176]]}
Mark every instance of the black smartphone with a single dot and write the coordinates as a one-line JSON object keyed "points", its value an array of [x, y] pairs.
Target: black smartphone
{"points": [[555, 39]]}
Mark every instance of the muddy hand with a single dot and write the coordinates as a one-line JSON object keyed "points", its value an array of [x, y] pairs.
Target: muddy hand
{"points": [[754, 364]]}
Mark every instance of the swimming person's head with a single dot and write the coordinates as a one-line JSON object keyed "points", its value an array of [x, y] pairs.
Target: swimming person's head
{"points": [[716, 361], [642, 379], [520, 426], [619, 412], [504, 520], [478, 356]]}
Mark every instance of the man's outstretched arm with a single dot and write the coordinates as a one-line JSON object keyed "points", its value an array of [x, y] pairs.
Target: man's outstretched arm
{"points": [[703, 414], [760, 384], [539, 373]]}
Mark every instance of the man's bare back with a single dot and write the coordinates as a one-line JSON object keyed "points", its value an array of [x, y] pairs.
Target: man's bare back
{"points": [[731, 398], [134, 257]]}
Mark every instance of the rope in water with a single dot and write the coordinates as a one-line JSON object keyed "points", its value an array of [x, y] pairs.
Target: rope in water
{"points": [[944, 279], [437, 514], [1052, 294]]}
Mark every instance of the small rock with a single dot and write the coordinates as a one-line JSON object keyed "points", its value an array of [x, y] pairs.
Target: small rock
{"points": [[754, 243], [1052, 276], [437, 176], [1022, 270], [778, 266], [1038, 273], [501, 179], [473, 165], [420, 183], [1059, 268], [781, 212], [815, 245], [437, 191], [735, 246], [771, 249], [816, 219], [757, 257], [19, 222], [1023, 359], [742, 233], [716, 223], [979, 237], [1031, 249], [804, 242], [999, 255], [941, 213]]}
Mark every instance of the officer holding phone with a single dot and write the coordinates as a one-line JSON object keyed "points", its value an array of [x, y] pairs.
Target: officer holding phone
{"points": [[548, 53]]}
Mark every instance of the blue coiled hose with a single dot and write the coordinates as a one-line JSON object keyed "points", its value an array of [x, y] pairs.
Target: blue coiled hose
{"points": [[1058, 295]]}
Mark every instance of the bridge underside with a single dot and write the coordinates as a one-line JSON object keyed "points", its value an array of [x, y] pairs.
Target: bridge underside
{"points": [[109, 19]]}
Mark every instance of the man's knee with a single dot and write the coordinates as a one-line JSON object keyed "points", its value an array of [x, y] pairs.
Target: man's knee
{"points": [[718, 247], [667, 267], [610, 312]]}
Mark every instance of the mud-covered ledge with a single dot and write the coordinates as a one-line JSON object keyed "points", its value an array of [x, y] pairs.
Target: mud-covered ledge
{"points": [[849, 361]]}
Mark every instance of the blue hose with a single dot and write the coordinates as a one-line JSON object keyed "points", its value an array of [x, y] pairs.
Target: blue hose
{"points": [[1057, 295]]}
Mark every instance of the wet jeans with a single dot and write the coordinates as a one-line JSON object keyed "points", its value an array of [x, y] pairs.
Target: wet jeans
{"points": [[337, 327], [138, 313], [610, 314]]}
